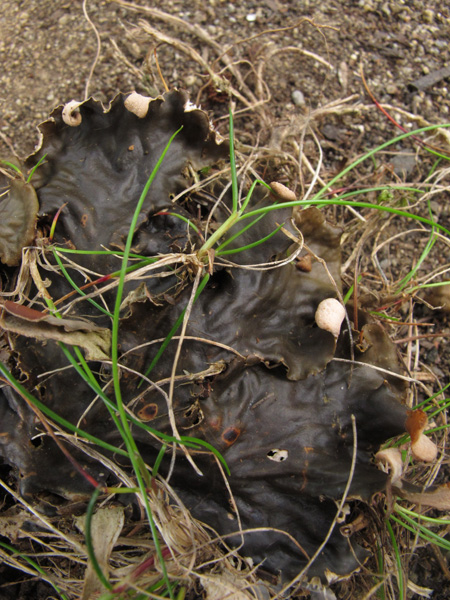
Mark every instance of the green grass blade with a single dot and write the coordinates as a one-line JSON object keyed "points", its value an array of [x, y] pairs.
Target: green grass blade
{"points": [[136, 460], [343, 202], [35, 566], [158, 460], [36, 166], [250, 193], [75, 287], [374, 151], [249, 246], [187, 221], [234, 181], [12, 166], [174, 329], [238, 233], [54, 416], [398, 560], [116, 253], [423, 532]]}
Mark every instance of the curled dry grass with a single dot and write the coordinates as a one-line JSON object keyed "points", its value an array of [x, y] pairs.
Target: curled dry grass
{"points": [[395, 294]]}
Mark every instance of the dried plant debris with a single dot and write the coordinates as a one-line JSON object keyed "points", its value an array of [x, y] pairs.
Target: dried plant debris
{"points": [[256, 377], [18, 214], [32, 323]]}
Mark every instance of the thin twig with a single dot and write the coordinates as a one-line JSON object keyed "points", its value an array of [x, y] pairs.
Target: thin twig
{"points": [[174, 369], [97, 54]]}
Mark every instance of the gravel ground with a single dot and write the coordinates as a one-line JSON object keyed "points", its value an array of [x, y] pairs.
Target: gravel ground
{"points": [[47, 49]]}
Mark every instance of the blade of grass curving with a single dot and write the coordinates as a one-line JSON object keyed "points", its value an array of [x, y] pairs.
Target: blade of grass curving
{"points": [[422, 531], [158, 460], [35, 566], [234, 181], [248, 246], [250, 193], [182, 218], [433, 520], [54, 416], [12, 166], [116, 253], [343, 202], [136, 460], [88, 539], [173, 331], [398, 560], [115, 328], [87, 375], [55, 220], [76, 288], [431, 241], [374, 151], [36, 166]]}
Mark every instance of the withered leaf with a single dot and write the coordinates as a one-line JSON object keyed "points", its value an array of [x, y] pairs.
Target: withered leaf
{"points": [[96, 341], [18, 214]]}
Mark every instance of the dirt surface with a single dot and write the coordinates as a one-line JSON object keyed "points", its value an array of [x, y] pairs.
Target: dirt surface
{"points": [[47, 49], [299, 60]]}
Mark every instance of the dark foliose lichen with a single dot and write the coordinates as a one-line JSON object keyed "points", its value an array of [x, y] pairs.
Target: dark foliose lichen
{"points": [[256, 377]]}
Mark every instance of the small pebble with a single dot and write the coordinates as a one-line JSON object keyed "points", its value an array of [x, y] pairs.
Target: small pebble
{"points": [[298, 98], [190, 80], [251, 17], [428, 15]]}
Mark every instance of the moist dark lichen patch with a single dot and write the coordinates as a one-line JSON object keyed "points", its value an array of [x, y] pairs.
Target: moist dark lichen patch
{"points": [[296, 411]]}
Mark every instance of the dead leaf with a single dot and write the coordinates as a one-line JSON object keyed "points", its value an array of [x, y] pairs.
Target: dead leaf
{"points": [[11, 523], [438, 498], [18, 214], [106, 526], [226, 586], [96, 341]]}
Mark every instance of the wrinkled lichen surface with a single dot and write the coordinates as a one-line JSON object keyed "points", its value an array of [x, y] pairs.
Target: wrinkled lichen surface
{"points": [[256, 377]]}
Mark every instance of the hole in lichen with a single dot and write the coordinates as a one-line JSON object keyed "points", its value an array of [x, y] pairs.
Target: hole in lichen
{"points": [[277, 455]]}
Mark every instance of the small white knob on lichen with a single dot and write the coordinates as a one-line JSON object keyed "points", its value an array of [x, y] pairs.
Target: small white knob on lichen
{"points": [[329, 315], [392, 459], [137, 104], [71, 114], [283, 192], [422, 447]]}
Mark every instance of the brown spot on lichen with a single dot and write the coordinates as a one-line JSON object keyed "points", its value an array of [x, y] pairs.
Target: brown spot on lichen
{"points": [[304, 263], [148, 412], [84, 220], [230, 435]]}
